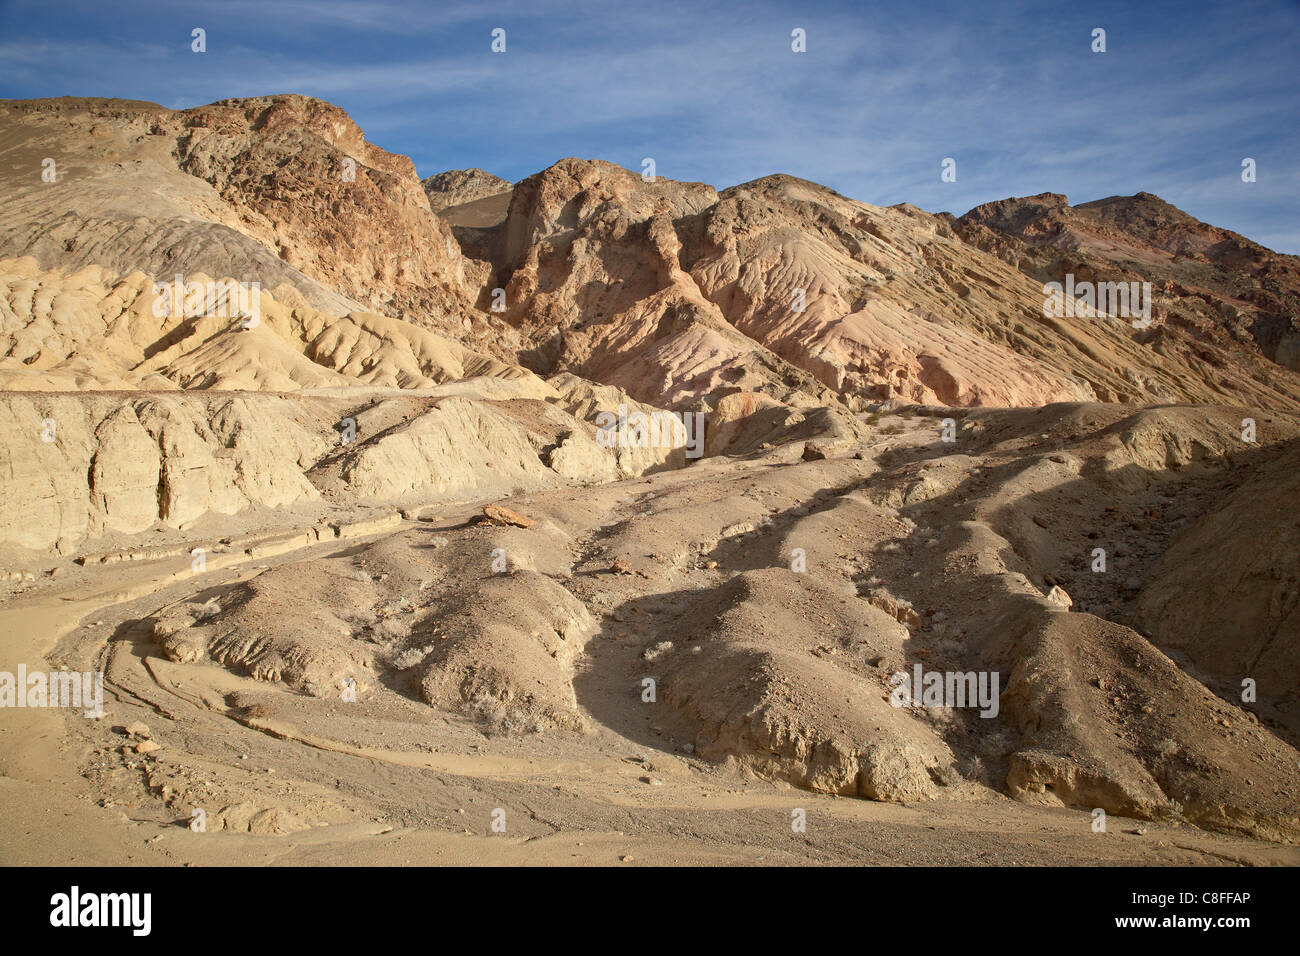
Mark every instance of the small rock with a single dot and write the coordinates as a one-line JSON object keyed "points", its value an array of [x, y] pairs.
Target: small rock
{"points": [[501, 515], [1058, 596]]}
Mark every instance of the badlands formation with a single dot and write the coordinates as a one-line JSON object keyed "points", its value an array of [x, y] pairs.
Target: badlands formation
{"points": [[334, 474]]}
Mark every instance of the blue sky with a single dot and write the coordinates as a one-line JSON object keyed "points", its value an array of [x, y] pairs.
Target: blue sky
{"points": [[713, 92]]}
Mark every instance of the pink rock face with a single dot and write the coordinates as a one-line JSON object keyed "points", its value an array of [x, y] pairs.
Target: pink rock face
{"points": [[780, 286]]}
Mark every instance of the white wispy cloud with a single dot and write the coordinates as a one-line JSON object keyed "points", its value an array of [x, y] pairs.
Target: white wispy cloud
{"points": [[713, 92]]}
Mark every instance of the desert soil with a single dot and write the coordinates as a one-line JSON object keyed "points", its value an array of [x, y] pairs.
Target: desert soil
{"points": [[388, 780]]}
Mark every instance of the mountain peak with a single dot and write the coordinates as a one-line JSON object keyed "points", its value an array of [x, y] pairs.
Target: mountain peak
{"points": [[455, 187]]}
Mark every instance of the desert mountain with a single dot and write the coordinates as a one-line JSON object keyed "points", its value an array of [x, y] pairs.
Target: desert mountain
{"points": [[281, 190], [673, 291], [907, 460], [1221, 289], [645, 283], [456, 187]]}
